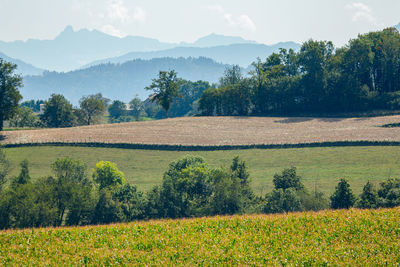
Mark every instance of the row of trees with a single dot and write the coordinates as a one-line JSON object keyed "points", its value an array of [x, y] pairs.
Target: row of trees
{"points": [[190, 188], [176, 96], [364, 75]]}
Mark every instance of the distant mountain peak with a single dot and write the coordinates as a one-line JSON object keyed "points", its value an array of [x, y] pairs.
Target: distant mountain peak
{"points": [[397, 26], [214, 39], [68, 29]]}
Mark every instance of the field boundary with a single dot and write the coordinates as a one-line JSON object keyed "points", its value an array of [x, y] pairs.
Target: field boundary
{"points": [[205, 147]]}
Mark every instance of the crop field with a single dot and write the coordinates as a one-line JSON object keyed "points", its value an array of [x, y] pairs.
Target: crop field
{"points": [[345, 237], [320, 167], [216, 131]]}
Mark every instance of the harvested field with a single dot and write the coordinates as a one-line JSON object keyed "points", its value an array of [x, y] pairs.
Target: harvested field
{"points": [[208, 131]]}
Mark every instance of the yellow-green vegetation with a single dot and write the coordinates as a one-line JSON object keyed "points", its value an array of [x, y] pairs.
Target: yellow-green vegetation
{"points": [[345, 237], [319, 167]]}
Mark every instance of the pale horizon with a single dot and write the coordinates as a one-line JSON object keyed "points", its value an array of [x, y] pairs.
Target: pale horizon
{"points": [[176, 21]]}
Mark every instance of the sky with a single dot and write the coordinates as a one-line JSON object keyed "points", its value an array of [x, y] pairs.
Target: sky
{"points": [[265, 21]]}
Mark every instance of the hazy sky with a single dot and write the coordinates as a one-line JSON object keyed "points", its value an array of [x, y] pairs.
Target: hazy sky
{"points": [[266, 21]]}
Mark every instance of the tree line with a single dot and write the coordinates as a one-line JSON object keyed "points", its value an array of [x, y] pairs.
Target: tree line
{"points": [[190, 188], [364, 75]]}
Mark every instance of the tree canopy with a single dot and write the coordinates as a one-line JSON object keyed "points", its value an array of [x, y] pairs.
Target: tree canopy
{"points": [[9, 91], [165, 88]]}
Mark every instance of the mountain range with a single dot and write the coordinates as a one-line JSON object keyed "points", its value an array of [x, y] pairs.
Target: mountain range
{"points": [[71, 49], [235, 54]]}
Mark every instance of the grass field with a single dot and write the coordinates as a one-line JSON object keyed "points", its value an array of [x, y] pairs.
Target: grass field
{"points": [[320, 167], [347, 237], [208, 131]]}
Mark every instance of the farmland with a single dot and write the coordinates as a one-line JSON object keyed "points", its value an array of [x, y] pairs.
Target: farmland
{"points": [[320, 167], [346, 237], [218, 131]]}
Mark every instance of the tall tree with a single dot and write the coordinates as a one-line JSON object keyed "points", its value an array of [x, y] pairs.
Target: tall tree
{"points": [[9, 93], [92, 107], [58, 112], [165, 88], [343, 197]]}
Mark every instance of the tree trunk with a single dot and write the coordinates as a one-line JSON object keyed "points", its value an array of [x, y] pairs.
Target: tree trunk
{"points": [[1, 121], [166, 113]]}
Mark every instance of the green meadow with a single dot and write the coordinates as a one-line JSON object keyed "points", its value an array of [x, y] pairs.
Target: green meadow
{"points": [[320, 168]]}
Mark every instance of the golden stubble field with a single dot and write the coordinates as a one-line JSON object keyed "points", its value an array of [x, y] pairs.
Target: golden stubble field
{"points": [[207, 131]]}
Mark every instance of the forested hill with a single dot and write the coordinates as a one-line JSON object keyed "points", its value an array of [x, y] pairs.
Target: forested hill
{"points": [[118, 81], [237, 54]]}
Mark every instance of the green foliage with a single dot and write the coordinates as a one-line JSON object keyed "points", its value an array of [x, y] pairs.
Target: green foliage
{"points": [[164, 88], [23, 177], [389, 192], [107, 175], [137, 107], [117, 109], [4, 168], [288, 179], [282, 200], [343, 197], [368, 198], [92, 107], [73, 192], [232, 75], [24, 117], [362, 76], [9, 91], [226, 197], [58, 112], [185, 187]]}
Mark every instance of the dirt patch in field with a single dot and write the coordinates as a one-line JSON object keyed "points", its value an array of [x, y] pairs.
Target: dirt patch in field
{"points": [[220, 131]]}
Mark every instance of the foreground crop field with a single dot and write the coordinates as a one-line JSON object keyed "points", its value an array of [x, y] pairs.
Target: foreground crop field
{"points": [[320, 167], [207, 131], [351, 237]]}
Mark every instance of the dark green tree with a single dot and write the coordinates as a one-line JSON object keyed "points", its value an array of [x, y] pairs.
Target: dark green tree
{"points": [[368, 198], [58, 112], [389, 193], [9, 91], [288, 179], [23, 177], [280, 200], [165, 88], [117, 109], [73, 192], [343, 197], [232, 75], [92, 107], [4, 168]]}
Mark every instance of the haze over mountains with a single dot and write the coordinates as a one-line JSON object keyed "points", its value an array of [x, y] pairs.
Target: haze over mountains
{"points": [[71, 49], [22, 67]]}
